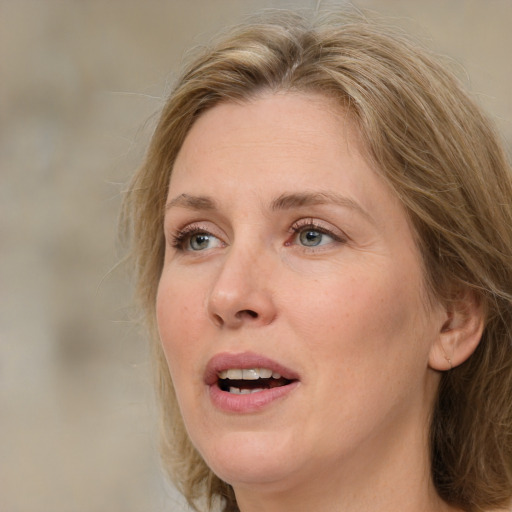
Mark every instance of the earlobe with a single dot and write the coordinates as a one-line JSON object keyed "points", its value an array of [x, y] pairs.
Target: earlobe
{"points": [[459, 333]]}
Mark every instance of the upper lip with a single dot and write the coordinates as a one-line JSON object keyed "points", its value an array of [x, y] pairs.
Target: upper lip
{"points": [[244, 360]]}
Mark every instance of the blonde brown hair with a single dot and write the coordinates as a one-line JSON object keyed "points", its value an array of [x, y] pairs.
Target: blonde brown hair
{"points": [[445, 163]]}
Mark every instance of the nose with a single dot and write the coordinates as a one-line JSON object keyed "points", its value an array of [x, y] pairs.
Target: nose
{"points": [[242, 293]]}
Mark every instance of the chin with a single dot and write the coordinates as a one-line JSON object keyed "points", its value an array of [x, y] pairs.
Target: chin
{"points": [[249, 458]]}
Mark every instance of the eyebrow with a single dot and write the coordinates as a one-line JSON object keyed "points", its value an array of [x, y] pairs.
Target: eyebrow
{"points": [[285, 201], [297, 200], [191, 202]]}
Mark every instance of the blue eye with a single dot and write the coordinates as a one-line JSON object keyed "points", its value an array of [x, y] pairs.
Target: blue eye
{"points": [[312, 236], [195, 240], [202, 241], [199, 241]]}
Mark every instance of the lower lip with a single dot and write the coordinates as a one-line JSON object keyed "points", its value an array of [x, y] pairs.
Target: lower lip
{"points": [[251, 402]]}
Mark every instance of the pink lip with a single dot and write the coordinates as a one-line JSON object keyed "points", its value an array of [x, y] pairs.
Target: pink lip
{"points": [[251, 402]]}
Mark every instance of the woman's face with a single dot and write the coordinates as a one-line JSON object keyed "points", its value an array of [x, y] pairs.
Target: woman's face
{"points": [[287, 254]]}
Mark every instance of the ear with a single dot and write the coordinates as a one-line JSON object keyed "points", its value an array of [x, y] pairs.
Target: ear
{"points": [[460, 332]]}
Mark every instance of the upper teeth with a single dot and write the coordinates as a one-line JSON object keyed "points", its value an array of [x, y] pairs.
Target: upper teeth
{"points": [[248, 374]]}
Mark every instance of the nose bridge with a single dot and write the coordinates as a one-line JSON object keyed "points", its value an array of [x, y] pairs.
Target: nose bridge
{"points": [[242, 290]]}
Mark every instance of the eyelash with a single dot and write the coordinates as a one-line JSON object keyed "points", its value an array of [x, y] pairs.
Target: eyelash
{"points": [[311, 224], [181, 236]]}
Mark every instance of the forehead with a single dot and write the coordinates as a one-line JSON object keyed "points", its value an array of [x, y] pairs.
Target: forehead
{"points": [[281, 133]]}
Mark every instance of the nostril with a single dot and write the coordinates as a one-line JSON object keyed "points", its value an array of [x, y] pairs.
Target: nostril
{"points": [[218, 320], [248, 312], [238, 318]]}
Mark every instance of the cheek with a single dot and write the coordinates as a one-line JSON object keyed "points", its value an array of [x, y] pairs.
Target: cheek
{"points": [[363, 316], [178, 307], [357, 299]]}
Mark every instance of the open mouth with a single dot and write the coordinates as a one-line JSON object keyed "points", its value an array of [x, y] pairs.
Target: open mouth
{"points": [[250, 380]]}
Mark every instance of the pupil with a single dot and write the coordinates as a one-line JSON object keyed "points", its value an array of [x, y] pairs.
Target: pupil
{"points": [[310, 237], [200, 241]]}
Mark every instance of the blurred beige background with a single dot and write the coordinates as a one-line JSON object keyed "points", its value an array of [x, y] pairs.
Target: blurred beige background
{"points": [[80, 81]]}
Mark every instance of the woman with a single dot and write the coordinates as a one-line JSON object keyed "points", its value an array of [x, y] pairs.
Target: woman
{"points": [[322, 230]]}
